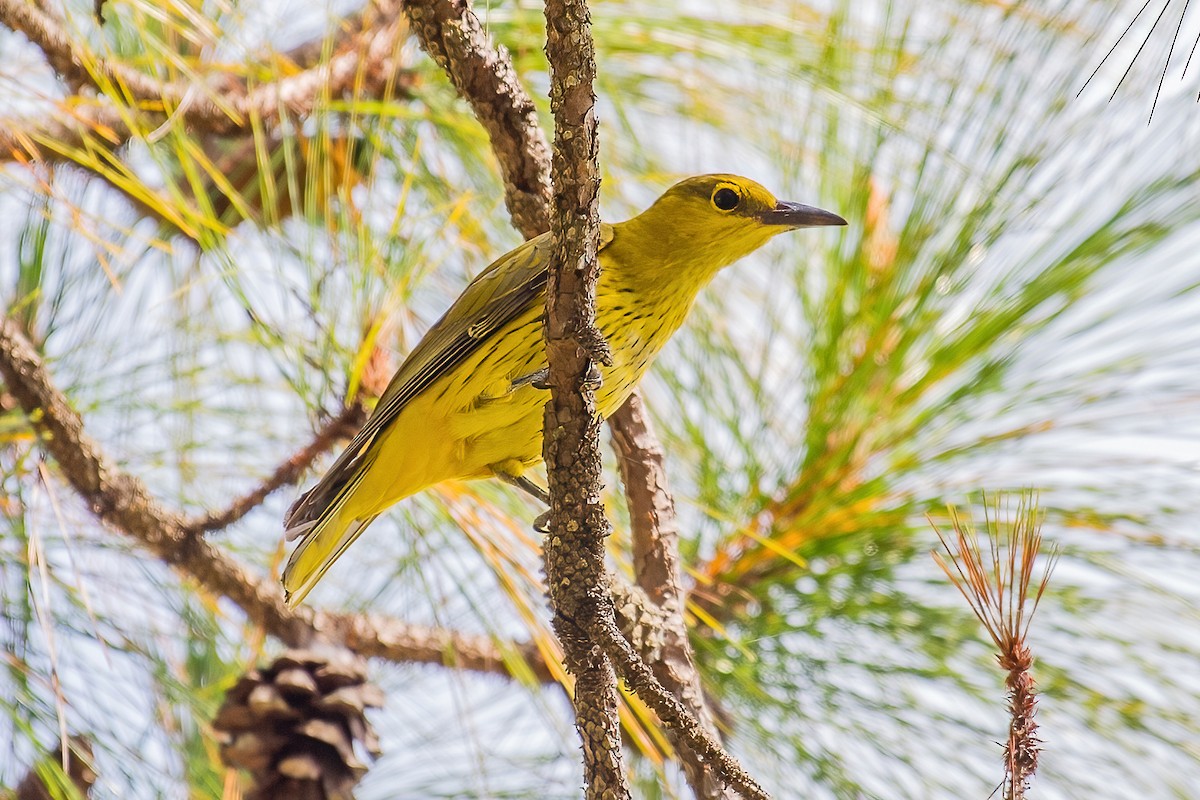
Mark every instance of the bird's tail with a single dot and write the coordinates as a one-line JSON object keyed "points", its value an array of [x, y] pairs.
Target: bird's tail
{"points": [[321, 543], [327, 519]]}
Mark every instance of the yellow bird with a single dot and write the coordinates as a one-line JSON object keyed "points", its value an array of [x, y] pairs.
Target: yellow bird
{"points": [[466, 403]]}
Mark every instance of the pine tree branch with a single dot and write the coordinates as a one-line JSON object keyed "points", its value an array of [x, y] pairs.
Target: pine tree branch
{"points": [[574, 548], [365, 66], [520, 148], [450, 33], [123, 502], [655, 537]]}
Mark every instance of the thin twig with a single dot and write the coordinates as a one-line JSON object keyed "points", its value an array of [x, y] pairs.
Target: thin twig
{"points": [[123, 502], [673, 713], [343, 425], [997, 588]]}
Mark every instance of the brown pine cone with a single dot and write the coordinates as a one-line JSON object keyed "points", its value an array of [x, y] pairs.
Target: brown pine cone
{"points": [[294, 725]]}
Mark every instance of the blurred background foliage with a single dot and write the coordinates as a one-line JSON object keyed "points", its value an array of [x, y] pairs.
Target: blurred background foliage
{"points": [[1015, 304]]}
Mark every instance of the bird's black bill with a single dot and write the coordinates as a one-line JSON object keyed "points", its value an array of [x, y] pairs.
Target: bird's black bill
{"points": [[798, 215]]}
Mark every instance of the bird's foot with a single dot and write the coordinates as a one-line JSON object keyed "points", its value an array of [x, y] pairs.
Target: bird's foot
{"points": [[541, 379], [538, 380], [595, 345], [525, 485]]}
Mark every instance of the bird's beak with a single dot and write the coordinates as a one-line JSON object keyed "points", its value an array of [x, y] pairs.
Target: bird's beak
{"points": [[798, 215]]}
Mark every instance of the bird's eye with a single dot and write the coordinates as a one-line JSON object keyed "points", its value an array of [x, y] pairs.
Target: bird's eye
{"points": [[726, 199]]}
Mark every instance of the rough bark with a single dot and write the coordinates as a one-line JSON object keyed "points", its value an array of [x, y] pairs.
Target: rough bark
{"points": [[640, 677], [574, 549], [655, 537], [451, 34]]}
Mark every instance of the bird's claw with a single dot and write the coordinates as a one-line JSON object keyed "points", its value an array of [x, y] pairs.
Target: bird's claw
{"points": [[595, 345], [593, 379], [538, 380], [525, 485]]}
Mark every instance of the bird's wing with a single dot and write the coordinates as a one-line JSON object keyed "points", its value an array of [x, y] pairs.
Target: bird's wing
{"points": [[495, 297]]}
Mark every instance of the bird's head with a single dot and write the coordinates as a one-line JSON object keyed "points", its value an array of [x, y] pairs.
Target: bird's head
{"points": [[713, 220]]}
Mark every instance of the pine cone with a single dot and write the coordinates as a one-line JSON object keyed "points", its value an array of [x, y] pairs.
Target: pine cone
{"points": [[79, 770], [294, 725]]}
